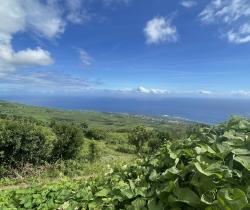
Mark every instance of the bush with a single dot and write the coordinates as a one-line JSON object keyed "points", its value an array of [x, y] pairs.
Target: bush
{"points": [[84, 125], [93, 152], [69, 140], [23, 142], [96, 134], [157, 139], [139, 136], [163, 136], [153, 144]]}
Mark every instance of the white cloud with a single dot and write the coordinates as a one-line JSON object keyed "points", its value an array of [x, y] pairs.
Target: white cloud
{"points": [[233, 17], [226, 11], [12, 19], [74, 16], [77, 12], [157, 91], [26, 16], [188, 3], [85, 58], [144, 90], [159, 30], [42, 18], [10, 60], [31, 57], [205, 92], [150, 90], [40, 81], [242, 35], [241, 93]]}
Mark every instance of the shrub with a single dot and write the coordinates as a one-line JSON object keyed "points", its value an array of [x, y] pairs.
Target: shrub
{"points": [[69, 140], [23, 142], [139, 136], [163, 136], [157, 139], [154, 144], [84, 125], [96, 134], [93, 152]]}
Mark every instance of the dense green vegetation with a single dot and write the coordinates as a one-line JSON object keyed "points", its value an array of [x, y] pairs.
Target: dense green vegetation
{"points": [[69, 140], [43, 145], [49, 138], [48, 163], [23, 142], [138, 137], [208, 170]]}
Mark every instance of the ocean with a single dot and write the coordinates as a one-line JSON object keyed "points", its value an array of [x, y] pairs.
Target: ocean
{"points": [[206, 110]]}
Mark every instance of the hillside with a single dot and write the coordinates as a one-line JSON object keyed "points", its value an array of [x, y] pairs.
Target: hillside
{"points": [[46, 146], [94, 119], [209, 170]]}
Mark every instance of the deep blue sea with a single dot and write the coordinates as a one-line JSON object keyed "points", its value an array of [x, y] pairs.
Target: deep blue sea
{"points": [[207, 110]]}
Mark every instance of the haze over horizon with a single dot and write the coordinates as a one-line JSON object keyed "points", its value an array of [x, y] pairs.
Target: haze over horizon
{"points": [[125, 47]]}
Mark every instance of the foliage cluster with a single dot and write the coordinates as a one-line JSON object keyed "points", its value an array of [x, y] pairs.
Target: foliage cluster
{"points": [[69, 140], [209, 170], [95, 133], [23, 141], [141, 135]]}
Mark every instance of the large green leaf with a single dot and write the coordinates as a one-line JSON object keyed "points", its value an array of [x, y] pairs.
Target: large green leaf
{"points": [[139, 203], [243, 160], [213, 169], [102, 193], [231, 199], [153, 204], [241, 151], [184, 195]]}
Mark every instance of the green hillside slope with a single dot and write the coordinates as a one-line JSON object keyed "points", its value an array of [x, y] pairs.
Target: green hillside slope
{"points": [[209, 170], [94, 119]]}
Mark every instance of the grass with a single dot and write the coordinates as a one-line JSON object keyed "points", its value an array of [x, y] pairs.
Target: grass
{"points": [[79, 169]]}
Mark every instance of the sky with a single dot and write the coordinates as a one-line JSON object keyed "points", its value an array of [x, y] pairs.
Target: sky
{"points": [[125, 47]]}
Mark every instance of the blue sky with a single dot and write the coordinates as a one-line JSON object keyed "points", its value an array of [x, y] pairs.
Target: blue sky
{"points": [[125, 47]]}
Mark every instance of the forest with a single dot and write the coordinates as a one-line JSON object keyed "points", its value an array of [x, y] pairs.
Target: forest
{"points": [[58, 159]]}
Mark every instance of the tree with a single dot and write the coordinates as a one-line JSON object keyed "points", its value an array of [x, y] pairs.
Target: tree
{"points": [[69, 140], [139, 136]]}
